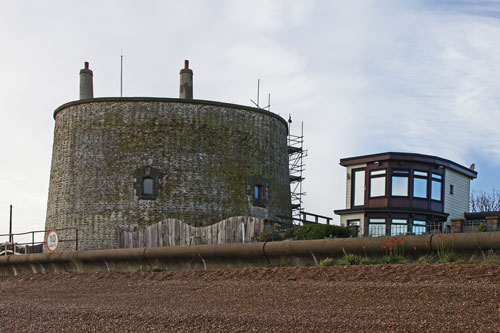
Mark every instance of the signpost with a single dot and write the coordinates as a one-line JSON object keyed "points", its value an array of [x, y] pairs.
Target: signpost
{"points": [[52, 241]]}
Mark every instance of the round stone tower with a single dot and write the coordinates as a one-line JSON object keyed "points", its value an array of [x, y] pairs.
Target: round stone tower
{"points": [[134, 161]]}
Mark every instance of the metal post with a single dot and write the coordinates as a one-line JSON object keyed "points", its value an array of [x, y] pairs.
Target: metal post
{"points": [[121, 75], [33, 241], [10, 225]]}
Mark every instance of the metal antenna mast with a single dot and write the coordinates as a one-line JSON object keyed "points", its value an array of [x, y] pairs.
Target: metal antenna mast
{"points": [[268, 107], [121, 74]]}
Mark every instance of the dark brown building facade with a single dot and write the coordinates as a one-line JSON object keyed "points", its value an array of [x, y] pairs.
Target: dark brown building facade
{"points": [[398, 193]]}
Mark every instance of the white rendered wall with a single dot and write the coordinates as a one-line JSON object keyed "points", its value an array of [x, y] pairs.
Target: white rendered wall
{"points": [[354, 216]]}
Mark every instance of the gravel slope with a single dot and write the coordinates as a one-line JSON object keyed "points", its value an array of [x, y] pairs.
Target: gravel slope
{"points": [[355, 298]]}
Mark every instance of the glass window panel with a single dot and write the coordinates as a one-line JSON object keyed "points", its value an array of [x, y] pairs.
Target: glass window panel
{"points": [[418, 227], [377, 220], [377, 187], [375, 230], [420, 173], [359, 188], [353, 222], [147, 186], [398, 229], [420, 188], [400, 186], [377, 172], [256, 192], [418, 230], [400, 172], [436, 190], [435, 175], [399, 221]]}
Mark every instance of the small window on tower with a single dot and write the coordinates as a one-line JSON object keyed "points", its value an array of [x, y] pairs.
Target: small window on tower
{"points": [[147, 186], [257, 192], [147, 182]]}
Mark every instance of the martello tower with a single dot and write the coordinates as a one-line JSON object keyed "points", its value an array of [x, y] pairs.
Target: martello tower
{"points": [[120, 162]]}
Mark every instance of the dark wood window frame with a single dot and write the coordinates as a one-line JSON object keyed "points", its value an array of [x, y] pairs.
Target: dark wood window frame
{"points": [[407, 175], [353, 187], [427, 185], [377, 223], [370, 177], [441, 181]]}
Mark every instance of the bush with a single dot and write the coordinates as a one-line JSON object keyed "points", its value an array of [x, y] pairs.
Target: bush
{"points": [[268, 234], [482, 228], [317, 231]]}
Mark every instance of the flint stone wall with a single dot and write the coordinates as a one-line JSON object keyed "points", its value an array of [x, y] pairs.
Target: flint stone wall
{"points": [[204, 153]]}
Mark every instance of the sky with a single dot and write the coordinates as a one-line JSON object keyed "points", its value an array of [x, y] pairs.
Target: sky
{"points": [[364, 77]]}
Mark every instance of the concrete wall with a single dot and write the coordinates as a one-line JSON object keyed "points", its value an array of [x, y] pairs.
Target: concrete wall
{"points": [[456, 204], [355, 216], [204, 157]]}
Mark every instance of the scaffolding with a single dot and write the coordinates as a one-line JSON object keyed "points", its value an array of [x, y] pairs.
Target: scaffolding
{"points": [[296, 154]]}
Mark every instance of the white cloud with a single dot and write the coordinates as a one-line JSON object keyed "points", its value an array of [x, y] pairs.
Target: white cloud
{"points": [[365, 76]]}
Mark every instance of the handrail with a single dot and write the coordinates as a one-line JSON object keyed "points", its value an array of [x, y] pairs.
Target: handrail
{"points": [[32, 243]]}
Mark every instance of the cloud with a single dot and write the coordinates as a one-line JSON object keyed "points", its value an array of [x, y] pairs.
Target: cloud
{"points": [[365, 76]]}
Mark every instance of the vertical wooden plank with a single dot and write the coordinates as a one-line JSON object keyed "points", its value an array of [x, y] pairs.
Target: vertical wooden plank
{"points": [[160, 234], [175, 233]]}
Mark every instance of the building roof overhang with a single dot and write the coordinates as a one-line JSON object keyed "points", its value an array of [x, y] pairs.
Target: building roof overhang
{"points": [[410, 157], [391, 211]]}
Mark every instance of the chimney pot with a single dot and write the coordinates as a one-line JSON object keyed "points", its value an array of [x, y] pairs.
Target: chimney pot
{"points": [[186, 85], [86, 82]]}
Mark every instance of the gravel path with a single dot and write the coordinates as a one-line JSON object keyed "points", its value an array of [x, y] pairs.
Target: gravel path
{"points": [[455, 298]]}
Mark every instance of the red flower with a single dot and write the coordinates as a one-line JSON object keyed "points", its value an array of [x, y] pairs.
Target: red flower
{"points": [[446, 234], [402, 239], [364, 246], [427, 243], [440, 237], [452, 235], [415, 247]]}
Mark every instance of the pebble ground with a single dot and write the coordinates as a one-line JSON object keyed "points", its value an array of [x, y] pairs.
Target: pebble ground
{"points": [[413, 298]]}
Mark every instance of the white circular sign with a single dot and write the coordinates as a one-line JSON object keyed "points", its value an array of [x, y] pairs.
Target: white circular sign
{"points": [[52, 241]]}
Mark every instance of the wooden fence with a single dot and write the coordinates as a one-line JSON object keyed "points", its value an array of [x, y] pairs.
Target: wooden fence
{"points": [[172, 232]]}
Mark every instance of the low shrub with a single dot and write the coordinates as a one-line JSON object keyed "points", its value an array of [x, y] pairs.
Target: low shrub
{"points": [[327, 262], [388, 259], [448, 257], [350, 259], [482, 228], [318, 231], [268, 234], [427, 259]]}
